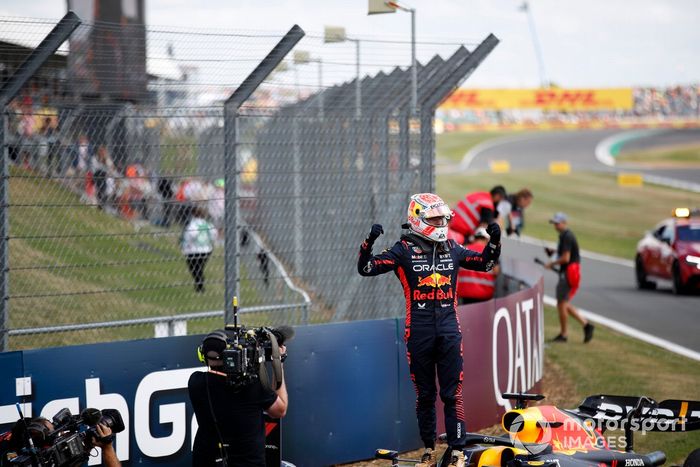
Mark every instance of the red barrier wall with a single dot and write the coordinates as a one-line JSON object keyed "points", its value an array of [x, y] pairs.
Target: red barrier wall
{"points": [[503, 341]]}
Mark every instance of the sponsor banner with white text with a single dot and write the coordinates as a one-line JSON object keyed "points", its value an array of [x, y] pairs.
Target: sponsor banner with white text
{"points": [[348, 383]]}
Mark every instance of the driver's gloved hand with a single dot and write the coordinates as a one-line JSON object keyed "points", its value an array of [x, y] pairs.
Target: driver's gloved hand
{"points": [[374, 233]]}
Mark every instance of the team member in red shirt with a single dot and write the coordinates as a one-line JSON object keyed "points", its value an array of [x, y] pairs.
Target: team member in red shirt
{"points": [[476, 210], [569, 262], [477, 286]]}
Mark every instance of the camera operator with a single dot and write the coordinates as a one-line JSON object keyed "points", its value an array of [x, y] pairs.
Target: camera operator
{"points": [[104, 442], [41, 432], [231, 423]]}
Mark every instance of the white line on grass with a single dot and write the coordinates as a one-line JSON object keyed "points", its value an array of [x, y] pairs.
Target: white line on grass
{"points": [[481, 147], [632, 332], [584, 253]]}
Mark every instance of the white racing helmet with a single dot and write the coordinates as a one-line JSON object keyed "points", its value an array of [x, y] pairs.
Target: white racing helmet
{"points": [[428, 215]]}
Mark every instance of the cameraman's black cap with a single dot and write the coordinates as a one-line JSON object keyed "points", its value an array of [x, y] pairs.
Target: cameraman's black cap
{"points": [[214, 342]]}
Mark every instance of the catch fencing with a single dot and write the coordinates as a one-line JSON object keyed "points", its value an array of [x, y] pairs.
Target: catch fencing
{"points": [[285, 154]]}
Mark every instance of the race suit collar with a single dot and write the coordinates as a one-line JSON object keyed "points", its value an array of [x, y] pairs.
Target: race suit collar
{"points": [[424, 244]]}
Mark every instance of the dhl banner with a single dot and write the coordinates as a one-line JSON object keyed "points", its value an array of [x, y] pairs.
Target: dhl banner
{"points": [[544, 99]]}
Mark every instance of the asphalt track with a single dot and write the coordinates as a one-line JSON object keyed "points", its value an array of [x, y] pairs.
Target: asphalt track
{"points": [[666, 138], [537, 150], [608, 288]]}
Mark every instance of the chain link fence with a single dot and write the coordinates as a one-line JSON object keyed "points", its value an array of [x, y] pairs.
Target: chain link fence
{"points": [[122, 190]]}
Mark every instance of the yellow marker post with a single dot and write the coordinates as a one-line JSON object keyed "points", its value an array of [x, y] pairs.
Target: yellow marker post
{"points": [[628, 179], [499, 167], [559, 168]]}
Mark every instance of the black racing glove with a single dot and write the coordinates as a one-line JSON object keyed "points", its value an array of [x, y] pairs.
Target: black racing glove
{"points": [[494, 231], [374, 233]]}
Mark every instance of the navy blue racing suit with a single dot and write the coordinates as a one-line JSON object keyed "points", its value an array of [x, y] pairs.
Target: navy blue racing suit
{"points": [[428, 275]]}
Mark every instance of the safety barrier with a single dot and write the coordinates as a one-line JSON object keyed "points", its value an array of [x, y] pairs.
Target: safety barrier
{"points": [[348, 383]]}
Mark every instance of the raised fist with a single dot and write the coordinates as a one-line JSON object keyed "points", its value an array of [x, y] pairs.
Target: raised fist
{"points": [[374, 233], [494, 231]]}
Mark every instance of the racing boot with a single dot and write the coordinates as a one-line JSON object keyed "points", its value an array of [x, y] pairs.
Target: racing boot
{"points": [[457, 458], [588, 333], [428, 459]]}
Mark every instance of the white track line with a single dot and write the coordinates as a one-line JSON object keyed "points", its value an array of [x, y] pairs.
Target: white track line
{"points": [[672, 183], [583, 253], [481, 147], [602, 149], [632, 332], [604, 156]]}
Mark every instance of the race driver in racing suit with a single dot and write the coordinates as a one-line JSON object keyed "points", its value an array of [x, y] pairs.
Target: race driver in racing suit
{"points": [[427, 263]]}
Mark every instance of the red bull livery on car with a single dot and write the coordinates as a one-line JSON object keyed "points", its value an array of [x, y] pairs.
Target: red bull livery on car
{"points": [[671, 252], [548, 436]]}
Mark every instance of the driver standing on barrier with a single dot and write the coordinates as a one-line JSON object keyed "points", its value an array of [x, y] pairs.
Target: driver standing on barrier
{"points": [[231, 430], [427, 264]]}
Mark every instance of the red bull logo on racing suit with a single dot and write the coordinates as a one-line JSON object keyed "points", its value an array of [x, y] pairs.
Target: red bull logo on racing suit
{"points": [[436, 281]]}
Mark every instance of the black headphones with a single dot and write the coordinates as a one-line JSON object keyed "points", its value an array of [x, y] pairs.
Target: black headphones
{"points": [[38, 431], [218, 335]]}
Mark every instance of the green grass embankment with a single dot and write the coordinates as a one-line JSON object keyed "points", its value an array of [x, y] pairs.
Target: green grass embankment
{"points": [[606, 218], [72, 263], [686, 155]]}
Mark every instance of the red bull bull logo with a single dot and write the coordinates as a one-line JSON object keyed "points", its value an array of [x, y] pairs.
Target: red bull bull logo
{"points": [[435, 280]]}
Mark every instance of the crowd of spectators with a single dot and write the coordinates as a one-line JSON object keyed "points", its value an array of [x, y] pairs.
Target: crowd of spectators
{"points": [[43, 141], [678, 101]]}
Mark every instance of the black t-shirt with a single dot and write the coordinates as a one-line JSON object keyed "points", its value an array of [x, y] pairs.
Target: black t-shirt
{"points": [[239, 413], [567, 242]]}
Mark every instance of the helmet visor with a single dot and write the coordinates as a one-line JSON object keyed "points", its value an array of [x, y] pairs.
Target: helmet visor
{"points": [[436, 221], [438, 211]]}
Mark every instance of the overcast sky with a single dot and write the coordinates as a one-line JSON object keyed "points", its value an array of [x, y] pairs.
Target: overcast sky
{"points": [[587, 43]]}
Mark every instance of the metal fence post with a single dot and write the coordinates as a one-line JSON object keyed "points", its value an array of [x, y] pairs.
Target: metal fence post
{"points": [[4, 238], [231, 166], [231, 213], [26, 70], [296, 183]]}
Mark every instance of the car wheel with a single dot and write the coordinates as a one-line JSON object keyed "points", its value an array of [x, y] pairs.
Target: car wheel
{"points": [[693, 459], [678, 287], [642, 282]]}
